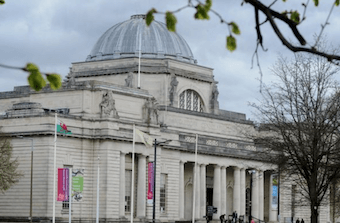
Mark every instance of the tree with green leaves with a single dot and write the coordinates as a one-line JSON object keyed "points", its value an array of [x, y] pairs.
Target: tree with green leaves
{"points": [[291, 18], [8, 165], [300, 127]]}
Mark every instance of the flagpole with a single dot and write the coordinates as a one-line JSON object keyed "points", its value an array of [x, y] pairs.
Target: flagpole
{"points": [[140, 52], [54, 163], [133, 174], [97, 216], [70, 195], [194, 182]]}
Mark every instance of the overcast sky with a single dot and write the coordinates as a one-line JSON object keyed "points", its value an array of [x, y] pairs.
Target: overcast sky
{"points": [[54, 34]]}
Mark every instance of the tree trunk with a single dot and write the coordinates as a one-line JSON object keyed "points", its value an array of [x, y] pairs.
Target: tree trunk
{"points": [[315, 214], [314, 205]]}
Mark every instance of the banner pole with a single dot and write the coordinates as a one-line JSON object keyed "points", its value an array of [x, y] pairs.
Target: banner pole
{"points": [[194, 182], [133, 174], [70, 195], [97, 216], [54, 163]]}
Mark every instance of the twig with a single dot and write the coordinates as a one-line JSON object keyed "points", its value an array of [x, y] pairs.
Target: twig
{"points": [[323, 26]]}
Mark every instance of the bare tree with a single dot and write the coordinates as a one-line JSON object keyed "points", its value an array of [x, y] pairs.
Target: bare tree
{"points": [[8, 166], [301, 126]]}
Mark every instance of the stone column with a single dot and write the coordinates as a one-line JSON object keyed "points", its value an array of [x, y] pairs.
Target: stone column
{"points": [[237, 184], [203, 190], [255, 195], [243, 192], [197, 181], [223, 190], [181, 190], [217, 191], [261, 195], [141, 189], [122, 186]]}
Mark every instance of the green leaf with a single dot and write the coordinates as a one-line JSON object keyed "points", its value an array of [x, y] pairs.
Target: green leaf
{"points": [[284, 0], [35, 79], [337, 2], [295, 16], [316, 2], [208, 4], [170, 21], [2, 2], [150, 17], [234, 28], [231, 43], [285, 14], [201, 12], [55, 81]]}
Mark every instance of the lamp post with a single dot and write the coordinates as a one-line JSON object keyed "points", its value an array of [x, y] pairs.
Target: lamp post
{"points": [[250, 194], [154, 177], [31, 192]]}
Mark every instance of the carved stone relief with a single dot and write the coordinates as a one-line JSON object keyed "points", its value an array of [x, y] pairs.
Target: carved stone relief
{"points": [[173, 89], [150, 111], [107, 106], [129, 80], [214, 105]]}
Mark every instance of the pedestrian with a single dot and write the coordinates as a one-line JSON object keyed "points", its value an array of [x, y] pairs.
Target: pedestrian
{"points": [[252, 221], [297, 220], [302, 221], [234, 216], [222, 218]]}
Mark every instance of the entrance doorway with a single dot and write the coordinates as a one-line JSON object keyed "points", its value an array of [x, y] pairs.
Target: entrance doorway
{"points": [[210, 196]]}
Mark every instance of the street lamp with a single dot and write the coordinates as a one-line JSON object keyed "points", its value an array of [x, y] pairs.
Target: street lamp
{"points": [[250, 195], [154, 177], [32, 146]]}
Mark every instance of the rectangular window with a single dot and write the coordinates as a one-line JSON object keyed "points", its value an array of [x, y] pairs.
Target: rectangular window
{"points": [[162, 195], [66, 204], [128, 175]]}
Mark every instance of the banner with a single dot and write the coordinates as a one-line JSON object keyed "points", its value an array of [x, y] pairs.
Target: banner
{"points": [[150, 183], [63, 184], [77, 185]]}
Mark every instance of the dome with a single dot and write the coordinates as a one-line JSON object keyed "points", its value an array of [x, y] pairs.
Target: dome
{"points": [[122, 41]]}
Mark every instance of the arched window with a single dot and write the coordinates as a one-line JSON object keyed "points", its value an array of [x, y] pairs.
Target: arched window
{"points": [[190, 100]]}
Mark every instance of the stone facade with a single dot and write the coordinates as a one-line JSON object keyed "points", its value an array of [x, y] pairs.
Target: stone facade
{"points": [[101, 104]]}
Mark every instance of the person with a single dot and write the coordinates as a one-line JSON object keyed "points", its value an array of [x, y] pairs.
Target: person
{"points": [[297, 220], [234, 216], [222, 218], [302, 221], [252, 221]]}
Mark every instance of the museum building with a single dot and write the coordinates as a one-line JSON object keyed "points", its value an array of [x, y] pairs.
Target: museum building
{"points": [[145, 78]]}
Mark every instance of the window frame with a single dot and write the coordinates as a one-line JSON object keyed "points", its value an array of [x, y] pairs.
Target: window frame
{"points": [[163, 194], [187, 101]]}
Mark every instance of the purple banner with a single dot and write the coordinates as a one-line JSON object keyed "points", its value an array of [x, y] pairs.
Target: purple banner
{"points": [[63, 184], [150, 183]]}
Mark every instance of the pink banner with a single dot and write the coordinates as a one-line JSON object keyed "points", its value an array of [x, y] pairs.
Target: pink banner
{"points": [[150, 182], [63, 184]]}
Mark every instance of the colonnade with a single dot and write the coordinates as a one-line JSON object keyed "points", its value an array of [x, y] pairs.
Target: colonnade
{"points": [[220, 191], [141, 189], [199, 181]]}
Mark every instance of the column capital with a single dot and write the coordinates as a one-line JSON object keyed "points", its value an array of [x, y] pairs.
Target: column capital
{"points": [[223, 167], [123, 153], [217, 166], [236, 168]]}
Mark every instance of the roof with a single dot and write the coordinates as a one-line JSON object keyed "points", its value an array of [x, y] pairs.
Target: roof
{"points": [[125, 39]]}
